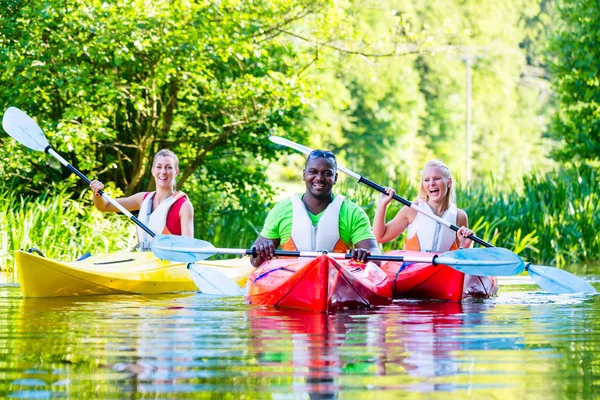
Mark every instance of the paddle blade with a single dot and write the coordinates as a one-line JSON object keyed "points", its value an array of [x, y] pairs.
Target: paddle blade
{"points": [[492, 261], [181, 249], [289, 143], [23, 129], [211, 281], [555, 280]]}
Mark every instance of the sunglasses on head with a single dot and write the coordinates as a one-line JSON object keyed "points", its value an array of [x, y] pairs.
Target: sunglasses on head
{"points": [[321, 153]]}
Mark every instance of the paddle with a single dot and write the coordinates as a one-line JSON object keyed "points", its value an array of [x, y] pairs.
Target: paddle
{"points": [[25, 131], [552, 280], [211, 281], [494, 261]]}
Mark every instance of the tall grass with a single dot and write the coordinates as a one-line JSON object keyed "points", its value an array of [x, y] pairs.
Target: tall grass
{"points": [[553, 218], [59, 226], [64, 228]]}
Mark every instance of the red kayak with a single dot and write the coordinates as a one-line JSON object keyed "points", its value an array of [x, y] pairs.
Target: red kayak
{"points": [[441, 282], [319, 284]]}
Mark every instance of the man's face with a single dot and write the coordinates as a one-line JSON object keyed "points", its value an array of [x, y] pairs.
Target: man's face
{"points": [[320, 175]]}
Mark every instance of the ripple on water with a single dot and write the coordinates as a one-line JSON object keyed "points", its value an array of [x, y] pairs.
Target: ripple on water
{"points": [[523, 343]]}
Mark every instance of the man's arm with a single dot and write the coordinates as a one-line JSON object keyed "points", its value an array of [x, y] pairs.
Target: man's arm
{"points": [[363, 248], [263, 246], [264, 249]]}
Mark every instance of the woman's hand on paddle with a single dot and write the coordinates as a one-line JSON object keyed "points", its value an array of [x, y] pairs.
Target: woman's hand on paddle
{"points": [[386, 198], [462, 235], [96, 186]]}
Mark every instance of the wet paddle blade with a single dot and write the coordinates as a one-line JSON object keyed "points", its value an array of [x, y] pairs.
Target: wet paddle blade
{"points": [[181, 249], [211, 281], [555, 280], [492, 261], [23, 129]]}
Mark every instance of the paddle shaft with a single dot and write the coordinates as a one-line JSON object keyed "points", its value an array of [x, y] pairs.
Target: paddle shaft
{"points": [[279, 253], [119, 207], [434, 259], [312, 254]]}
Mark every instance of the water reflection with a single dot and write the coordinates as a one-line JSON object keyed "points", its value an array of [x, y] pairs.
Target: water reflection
{"points": [[523, 343], [326, 354]]}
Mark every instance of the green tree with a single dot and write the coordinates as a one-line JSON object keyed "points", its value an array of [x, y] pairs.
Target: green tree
{"points": [[113, 82], [574, 58], [388, 111]]}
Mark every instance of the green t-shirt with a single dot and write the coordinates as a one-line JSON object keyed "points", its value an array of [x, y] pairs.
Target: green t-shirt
{"points": [[354, 224]]}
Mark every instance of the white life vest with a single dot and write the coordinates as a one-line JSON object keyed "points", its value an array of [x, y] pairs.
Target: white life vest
{"points": [[431, 235], [322, 237], [156, 220]]}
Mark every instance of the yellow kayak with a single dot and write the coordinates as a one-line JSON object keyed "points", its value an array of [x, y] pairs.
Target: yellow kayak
{"points": [[114, 273]]}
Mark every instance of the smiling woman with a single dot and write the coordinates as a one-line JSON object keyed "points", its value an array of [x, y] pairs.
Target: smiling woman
{"points": [[436, 196], [164, 211]]}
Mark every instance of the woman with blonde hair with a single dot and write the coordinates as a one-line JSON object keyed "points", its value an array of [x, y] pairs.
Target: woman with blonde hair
{"points": [[165, 210], [436, 196]]}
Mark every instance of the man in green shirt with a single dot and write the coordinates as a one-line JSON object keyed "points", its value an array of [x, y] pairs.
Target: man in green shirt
{"points": [[317, 220]]}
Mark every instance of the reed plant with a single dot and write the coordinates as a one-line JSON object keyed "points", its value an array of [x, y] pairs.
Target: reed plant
{"points": [[61, 227], [551, 218]]}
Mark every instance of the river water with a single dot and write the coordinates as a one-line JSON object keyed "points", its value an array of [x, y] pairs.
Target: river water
{"points": [[522, 344]]}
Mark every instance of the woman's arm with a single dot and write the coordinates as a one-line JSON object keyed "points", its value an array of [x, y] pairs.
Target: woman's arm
{"points": [[131, 203], [464, 232], [386, 232], [186, 219]]}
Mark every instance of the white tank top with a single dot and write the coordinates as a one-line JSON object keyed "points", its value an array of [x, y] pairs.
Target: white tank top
{"points": [[322, 237]]}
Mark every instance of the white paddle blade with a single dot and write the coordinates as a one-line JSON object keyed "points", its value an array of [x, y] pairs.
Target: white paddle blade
{"points": [[555, 280], [181, 249], [289, 143], [23, 129], [211, 281], [492, 261], [307, 150]]}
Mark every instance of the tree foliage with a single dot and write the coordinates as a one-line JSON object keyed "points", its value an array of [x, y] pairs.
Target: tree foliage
{"points": [[382, 83], [113, 82], [574, 57], [388, 115]]}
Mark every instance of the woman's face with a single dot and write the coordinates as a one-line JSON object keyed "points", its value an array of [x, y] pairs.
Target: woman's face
{"points": [[164, 172], [434, 183]]}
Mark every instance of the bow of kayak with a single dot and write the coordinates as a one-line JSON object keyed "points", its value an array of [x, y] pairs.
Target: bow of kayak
{"points": [[319, 284]]}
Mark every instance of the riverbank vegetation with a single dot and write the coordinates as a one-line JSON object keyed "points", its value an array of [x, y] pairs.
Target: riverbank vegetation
{"points": [[552, 219], [505, 93]]}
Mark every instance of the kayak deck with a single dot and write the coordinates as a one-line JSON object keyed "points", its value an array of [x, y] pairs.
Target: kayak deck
{"points": [[111, 273]]}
